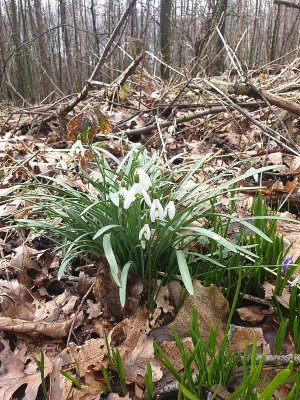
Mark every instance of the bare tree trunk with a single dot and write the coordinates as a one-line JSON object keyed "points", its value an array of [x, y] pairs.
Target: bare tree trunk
{"points": [[94, 23], [254, 37], [16, 42], [275, 34], [77, 83], [221, 15], [63, 17], [29, 80], [45, 62], [165, 36], [2, 57]]}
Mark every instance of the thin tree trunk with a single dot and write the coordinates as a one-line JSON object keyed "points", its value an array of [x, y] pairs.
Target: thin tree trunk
{"points": [[165, 36], [275, 34], [221, 12], [29, 83], [63, 17], [45, 62], [16, 42]]}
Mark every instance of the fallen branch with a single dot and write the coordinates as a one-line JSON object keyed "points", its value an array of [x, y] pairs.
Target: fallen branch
{"points": [[264, 128], [287, 4], [185, 118], [248, 90], [269, 360], [120, 81]]}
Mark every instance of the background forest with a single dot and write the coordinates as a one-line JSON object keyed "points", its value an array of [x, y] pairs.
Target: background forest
{"points": [[50, 47], [149, 199]]}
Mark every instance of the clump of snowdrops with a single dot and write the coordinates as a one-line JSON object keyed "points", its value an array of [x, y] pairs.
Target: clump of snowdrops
{"points": [[137, 212]]}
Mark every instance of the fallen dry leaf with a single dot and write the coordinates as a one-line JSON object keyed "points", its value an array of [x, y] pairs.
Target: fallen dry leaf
{"points": [[16, 372], [283, 299], [242, 335], [55, 330], [210, 305], [22, 260], [270, 329], [15, 300], [252, 314], [136, 347]]}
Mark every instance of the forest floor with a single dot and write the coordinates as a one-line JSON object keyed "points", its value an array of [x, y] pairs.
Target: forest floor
{"points": [[66, 318]]}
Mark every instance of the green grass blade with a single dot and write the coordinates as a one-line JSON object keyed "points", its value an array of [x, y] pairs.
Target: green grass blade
{"points": [[71, 378], [277, 381], [123, 281], [111, 258], [105, 229], [187, 393], [184, 272]]}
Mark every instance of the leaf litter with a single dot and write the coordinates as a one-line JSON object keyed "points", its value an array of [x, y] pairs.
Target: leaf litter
{"points": [[37, 311]]}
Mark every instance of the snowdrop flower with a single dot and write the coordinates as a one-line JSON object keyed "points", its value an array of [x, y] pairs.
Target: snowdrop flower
{"points": [[145, 232], [255, 176], [170, 210], [61, 164], [145, 181], [77, 148], [156, 210], [296, 281], [286, 264], [137, 190], [172, 128], [123, 191]]}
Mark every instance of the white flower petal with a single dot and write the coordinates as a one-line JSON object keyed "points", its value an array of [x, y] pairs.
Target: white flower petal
{"points": [[129, 198], [255, 176], [123, 192], [61, 164], [137, 189], [145, 232], [296, 281], [145, 181], [77, 148], [156, 210], [170, 210], [146, 196]]}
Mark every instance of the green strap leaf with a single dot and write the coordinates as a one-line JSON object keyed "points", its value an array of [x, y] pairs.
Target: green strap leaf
{"points": [[187, 393], [212, 235], [111, 258], [277, 381], [105, 229], [184, 272], [123, 281]]}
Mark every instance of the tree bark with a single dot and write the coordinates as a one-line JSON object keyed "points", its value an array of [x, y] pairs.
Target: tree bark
{"points": [[275, 35], [165, 36], [69, 60], [16, 42], [45, 61], [220, 46]]}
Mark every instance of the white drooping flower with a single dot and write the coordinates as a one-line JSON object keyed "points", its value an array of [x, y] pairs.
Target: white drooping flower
{"points": [[145, 181], [170, 210], [156, 210], [123, 191], [296, 281], [255, 176], [137, 190], [61, 164], [77, 148], [145, 232]]}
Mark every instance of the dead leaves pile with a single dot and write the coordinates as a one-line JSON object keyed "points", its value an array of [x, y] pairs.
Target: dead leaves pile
{"points": [[40, 322]]}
